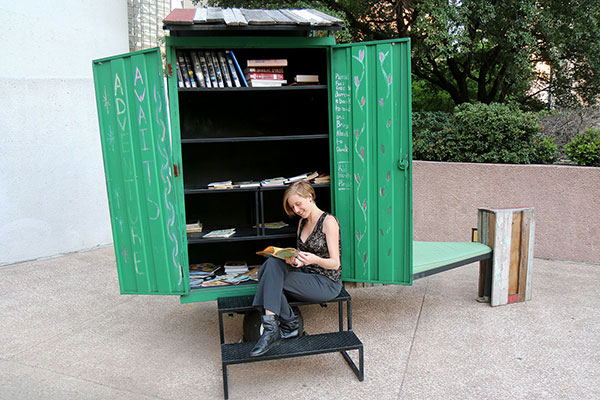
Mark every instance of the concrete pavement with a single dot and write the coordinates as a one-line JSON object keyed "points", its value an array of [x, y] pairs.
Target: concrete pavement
{"points": [[67, 333]]}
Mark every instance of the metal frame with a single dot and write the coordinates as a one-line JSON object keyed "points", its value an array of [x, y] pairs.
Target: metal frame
{"points": [[453, 265]]}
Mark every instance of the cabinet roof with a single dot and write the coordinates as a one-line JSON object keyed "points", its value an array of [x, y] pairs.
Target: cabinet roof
{"points": [[217, 18]]}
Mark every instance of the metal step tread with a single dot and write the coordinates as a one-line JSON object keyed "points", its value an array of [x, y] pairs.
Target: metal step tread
{"points": [[244, 303], [236, 353]]}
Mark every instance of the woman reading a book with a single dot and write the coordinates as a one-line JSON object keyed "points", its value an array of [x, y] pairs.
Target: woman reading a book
{"points": [[313, 275]]}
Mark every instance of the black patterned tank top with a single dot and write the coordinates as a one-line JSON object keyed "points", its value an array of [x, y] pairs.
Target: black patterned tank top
{"points": [[316, 243]]}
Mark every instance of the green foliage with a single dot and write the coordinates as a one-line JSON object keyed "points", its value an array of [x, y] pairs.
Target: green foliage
{"points": [[494, 133], [427, 97], [584, 149]]}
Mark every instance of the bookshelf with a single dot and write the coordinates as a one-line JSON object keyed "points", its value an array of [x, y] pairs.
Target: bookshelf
{"points": [[250, 134]]}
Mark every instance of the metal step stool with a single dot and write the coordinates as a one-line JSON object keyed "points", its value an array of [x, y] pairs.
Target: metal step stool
{"points": [[342, 340]]}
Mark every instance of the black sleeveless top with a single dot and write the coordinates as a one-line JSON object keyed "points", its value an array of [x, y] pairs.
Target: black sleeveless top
{"points": [[316, 243]]}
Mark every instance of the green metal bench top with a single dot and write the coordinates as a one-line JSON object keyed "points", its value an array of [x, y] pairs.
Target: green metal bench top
{"points": [[432, 257]]}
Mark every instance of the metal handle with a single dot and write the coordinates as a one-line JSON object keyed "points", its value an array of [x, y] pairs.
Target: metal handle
{"points": [[403, 164]]}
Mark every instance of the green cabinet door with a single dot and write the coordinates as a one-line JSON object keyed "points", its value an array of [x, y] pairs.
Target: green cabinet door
{"points": [[140, 174], [371, 163]]}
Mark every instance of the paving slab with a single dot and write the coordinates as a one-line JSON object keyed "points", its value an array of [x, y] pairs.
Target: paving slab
{"points": [[68, 333]]}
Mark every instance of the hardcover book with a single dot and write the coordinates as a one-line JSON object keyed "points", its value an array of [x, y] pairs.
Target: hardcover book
{"points": [[224, 69], [204, 67]]}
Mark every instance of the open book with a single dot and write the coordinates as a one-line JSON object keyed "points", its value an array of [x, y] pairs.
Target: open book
{"points": [[279, 252]]}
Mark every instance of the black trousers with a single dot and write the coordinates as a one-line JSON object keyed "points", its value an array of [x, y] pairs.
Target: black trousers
{"points": [[276, 279]]}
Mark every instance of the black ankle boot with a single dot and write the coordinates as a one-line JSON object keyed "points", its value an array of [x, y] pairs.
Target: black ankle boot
{"points": [[270, 337], [289, 329]]}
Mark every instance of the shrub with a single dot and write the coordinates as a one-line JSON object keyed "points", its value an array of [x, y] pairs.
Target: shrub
{"points": [[495, 133], [584, 149], [429, 131], [545, 150]]}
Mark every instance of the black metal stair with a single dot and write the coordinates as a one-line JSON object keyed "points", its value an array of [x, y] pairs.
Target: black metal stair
{"points": [[340, 341]]}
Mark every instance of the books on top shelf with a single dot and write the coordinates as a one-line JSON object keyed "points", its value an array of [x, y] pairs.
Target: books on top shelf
{"points": [[271, 182], [307, 176], [272, 62], [208, 69], [265, 73], [193, 227], [220, 233]]}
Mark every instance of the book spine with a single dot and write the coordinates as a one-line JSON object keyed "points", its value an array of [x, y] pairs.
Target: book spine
{"points": [[198, 70], [204, 67], [211, 70], [238, 69], [183, 68], [218, 73], [234, 75], [224, 69], [273, 70], [257, 75], [190, 70], [179, 76], [268, 63]]}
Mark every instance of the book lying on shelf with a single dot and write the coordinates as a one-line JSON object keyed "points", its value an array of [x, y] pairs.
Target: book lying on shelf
{"points": [[246, 184], [266, 82], [278, 62], [264, 75], [282, 253], [221, 185], [264, 70], [279, 181], [193, 227], [307, 176], [306, 78], [235, 267], [273, 225], [220, 233]]}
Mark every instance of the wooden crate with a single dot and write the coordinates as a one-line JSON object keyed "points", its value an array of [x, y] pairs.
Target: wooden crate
{"points": [[506, 278]]}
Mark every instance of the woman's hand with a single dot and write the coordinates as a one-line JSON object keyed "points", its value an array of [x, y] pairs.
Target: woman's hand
{"points": [[307, 258], [294, 262]]}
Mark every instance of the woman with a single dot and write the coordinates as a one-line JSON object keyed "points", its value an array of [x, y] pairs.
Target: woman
{"points": [[314, 275]]}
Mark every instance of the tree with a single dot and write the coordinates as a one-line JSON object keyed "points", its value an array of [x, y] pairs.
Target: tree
{"points": [[484, 50]]}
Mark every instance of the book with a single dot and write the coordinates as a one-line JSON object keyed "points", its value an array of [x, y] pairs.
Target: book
{"points": [[247, 184], [238, 69], [232, 69], [193, 227], [282, 253], [235, 267], [280, 181], [198, 70], [220, 233], [224, 69], [273, 225], [306, 79], [268, 70], [179, 76], [266, 82], [190, 69], [221, 183], [264, 75], [307, 176], [183, 68], [204, 67], [218, 73], [211, 69], [267, 63]]}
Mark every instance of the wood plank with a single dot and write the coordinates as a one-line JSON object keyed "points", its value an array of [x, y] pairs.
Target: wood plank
{"points": [[530, 256], [200, 16], [294, 17], [312, 18], [229, 17], [483, 221], [215, 15], [180, 16], [257, 17], [239, 16], [515, 254], [526, 257], [501, 266], [279, 17]]}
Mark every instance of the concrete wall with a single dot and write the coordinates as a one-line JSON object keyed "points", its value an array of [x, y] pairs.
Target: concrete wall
{"points": [[52, 190], [566, 201]]}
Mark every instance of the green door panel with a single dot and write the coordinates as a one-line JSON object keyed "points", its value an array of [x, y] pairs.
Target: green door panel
{"points": [[372, 154], [140, 181]]}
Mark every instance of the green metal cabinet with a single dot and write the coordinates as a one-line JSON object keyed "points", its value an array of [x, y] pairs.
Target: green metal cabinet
{"points": [[368, 100]]}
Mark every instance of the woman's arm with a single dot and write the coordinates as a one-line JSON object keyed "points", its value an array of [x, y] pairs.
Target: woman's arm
{"points": [[332, 235]]}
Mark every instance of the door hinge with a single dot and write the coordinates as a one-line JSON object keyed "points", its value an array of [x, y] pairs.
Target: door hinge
{"points": [[403, 164], [170, 70]]}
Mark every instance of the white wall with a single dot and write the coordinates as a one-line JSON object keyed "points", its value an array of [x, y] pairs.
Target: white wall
{"points": [[52, 189]]}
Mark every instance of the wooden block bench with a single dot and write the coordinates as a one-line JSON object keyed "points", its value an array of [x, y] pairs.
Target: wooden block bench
{"points": [[341, 341]]}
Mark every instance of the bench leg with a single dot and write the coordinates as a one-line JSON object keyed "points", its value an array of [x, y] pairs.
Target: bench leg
{"points": [[225, 389], [360, 371]]}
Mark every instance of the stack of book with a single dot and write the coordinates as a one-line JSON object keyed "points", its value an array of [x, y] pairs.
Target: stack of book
{"points": [[195, 227], [265, 72], [221, 185], [303, 177], [273, 182], [235, 267], [208, 69], [220, 233], [322, 178], [199, 273]]}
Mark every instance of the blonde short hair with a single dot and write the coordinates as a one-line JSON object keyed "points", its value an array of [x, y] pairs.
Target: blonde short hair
{"points": [[302, 189]]}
